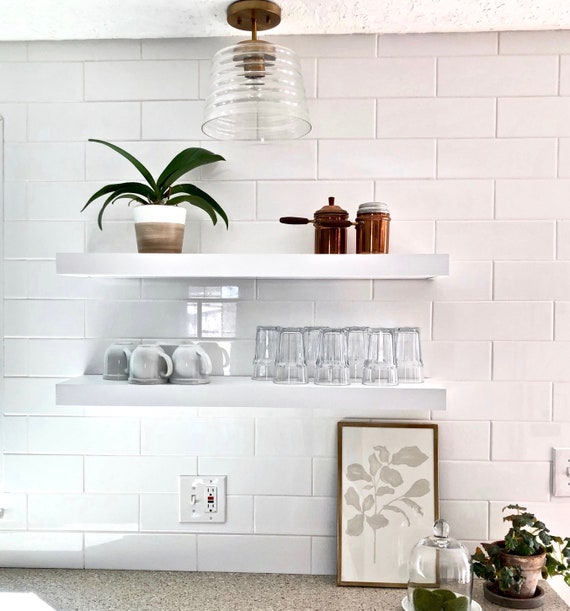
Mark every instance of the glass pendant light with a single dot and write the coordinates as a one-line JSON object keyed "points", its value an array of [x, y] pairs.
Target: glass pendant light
{"points": [[256, 88]]}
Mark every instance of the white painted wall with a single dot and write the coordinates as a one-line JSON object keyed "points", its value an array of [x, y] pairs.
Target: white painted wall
{"points": [[465, 136]]}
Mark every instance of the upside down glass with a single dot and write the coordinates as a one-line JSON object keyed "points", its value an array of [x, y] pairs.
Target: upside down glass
{"points": [[356, 338], [332, 362], [379, 367], [408, 355], [311, 337], [265, 352], [290, 366]]}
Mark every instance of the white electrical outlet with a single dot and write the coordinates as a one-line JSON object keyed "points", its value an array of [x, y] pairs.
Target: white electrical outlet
{"points": [[561, 471], [202, 498]]}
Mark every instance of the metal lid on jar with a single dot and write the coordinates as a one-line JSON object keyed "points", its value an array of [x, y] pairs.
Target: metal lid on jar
{"points": [[331, 210], [373, 207]]}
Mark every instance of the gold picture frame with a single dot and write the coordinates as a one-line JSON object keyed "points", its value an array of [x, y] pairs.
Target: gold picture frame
{"points": [[395, 462]]}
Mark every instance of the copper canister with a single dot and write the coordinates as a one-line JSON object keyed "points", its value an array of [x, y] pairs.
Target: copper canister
{"points": [[372, 228], [330, 228]]}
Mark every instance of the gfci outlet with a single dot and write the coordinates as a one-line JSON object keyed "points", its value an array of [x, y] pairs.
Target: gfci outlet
{"points": [[202, 498], [561, 471]]}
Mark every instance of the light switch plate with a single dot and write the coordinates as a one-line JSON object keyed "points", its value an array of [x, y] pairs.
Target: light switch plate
{"points": [[202, 499], [561, 471]]}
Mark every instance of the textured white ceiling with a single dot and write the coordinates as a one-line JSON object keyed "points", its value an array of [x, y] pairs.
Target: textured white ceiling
{"points": [[92, 19]]}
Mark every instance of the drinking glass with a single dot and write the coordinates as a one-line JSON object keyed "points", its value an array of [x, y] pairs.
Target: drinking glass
{"points": [[290, 366], [408, 355], [332, 361], [356, 338], [265, 351], [311, 338], [379, 367]]}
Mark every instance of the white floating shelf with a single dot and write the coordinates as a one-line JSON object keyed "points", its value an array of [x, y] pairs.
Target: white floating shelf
{"points": [[278, 266], [244, 392]]}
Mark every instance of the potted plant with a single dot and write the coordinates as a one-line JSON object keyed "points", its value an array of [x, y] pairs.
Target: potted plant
{"points": [[512, 567], [159, 218]]}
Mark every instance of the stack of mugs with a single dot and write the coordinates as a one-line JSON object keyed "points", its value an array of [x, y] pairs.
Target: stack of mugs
{"points": [[373, 356], [151, 364]]}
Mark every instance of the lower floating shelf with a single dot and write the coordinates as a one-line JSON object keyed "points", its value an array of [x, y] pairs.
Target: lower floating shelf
{"points": [[245, 392]]}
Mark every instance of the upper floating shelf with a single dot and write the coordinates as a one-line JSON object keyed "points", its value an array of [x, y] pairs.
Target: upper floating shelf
{"points": [[277, 266]]}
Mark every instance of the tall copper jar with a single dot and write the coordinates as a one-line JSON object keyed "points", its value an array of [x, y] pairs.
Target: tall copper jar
{"points": [[373, 228]]}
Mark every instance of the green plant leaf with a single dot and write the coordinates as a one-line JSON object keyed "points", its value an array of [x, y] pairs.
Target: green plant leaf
{"points": [[186, 160], [122, 187], [195, 201], [194, 190], [138, 165], [111, 200]]}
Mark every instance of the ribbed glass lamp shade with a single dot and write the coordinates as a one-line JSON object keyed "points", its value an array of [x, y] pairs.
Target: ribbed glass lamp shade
{"points": [[256, 93]]}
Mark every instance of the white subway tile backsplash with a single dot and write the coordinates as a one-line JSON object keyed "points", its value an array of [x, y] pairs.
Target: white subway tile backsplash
{"points": [[184, 48], [448, 43], [37, 473], [197, 437], [254, 554], [293, 437], [136, 474], [412, 236], [435, 118], [43, 318], [137, 80], [564, 74], [318, 45], [541, 361], [172, 120], [309, 290], [498, 240], [561, 402], [384, 77], [57, 357], [531, 199], [534, 117], [467, 281], [460, 360], [15, 511], [540, 280], [496, 401], [531, 43], [15, 434], [564, 157], [41, 239], [201, 288], [80, 121], [323, 555], [15, 279], [493, 480], [14, 116], [56, 550], [79, 512], [369, 159], [562, 234], [464, 440], [41, 82], [160, 512], [15, 205], [288, 515], [261, 476], [506, 158], [329, 118], [525, 441], [16, 357], [13, 51], [562, 321], [61, 435], [497, 76], [143, 552], [467, 519], [507, 321], [83, 50], [325, 477], [44, 161]]}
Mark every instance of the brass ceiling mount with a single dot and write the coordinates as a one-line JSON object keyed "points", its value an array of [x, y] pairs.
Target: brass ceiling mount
{"points": [[252, 15]]}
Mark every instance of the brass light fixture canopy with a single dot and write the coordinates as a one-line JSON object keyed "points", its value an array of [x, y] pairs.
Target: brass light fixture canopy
{"points": [[256, 88], [264, 13]]}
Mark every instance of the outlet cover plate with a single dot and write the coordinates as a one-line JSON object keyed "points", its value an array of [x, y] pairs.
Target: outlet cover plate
{"points": [[193, 507], [561, 471]]}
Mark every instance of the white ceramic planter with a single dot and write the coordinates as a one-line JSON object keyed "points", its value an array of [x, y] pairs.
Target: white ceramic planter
{"points": [[159, 228]]}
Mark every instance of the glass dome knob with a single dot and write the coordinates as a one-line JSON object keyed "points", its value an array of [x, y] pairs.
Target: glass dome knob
{"points": [[441, 529]]}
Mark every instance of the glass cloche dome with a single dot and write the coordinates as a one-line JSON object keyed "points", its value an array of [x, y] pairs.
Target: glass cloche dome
{"points": [[440, 575]]}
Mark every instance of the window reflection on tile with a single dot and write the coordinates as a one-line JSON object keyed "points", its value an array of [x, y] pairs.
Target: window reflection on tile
{"points": [[192, 319], [213, 292], [219, 319]]}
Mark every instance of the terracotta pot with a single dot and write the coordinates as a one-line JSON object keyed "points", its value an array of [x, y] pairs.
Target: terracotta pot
{"points": [[159, 228], [531, 567]]}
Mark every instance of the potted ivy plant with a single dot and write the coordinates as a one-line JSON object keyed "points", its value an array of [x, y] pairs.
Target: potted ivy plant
{"points": [[159, 218], [513, 566]]}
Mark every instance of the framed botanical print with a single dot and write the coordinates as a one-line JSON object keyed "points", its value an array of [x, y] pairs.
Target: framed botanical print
{"points": [[387, 499]]}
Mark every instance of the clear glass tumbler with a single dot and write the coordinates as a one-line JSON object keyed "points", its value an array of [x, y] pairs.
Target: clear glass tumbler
{"points": [[356, 338], [266, 340], [311, 338], [380, 367], [290, 366], [332, 361], [409, 355]]}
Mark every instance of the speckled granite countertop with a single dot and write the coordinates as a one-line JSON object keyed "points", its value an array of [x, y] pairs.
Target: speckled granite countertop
{"points": [[90, 590]]}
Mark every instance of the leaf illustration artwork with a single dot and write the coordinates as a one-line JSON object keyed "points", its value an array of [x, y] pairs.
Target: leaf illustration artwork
{"points": [[375, 496]]}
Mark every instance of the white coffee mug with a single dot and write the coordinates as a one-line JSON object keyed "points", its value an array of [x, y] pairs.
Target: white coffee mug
{"points": [[149, 364], [191, 365], [116, 361]]}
